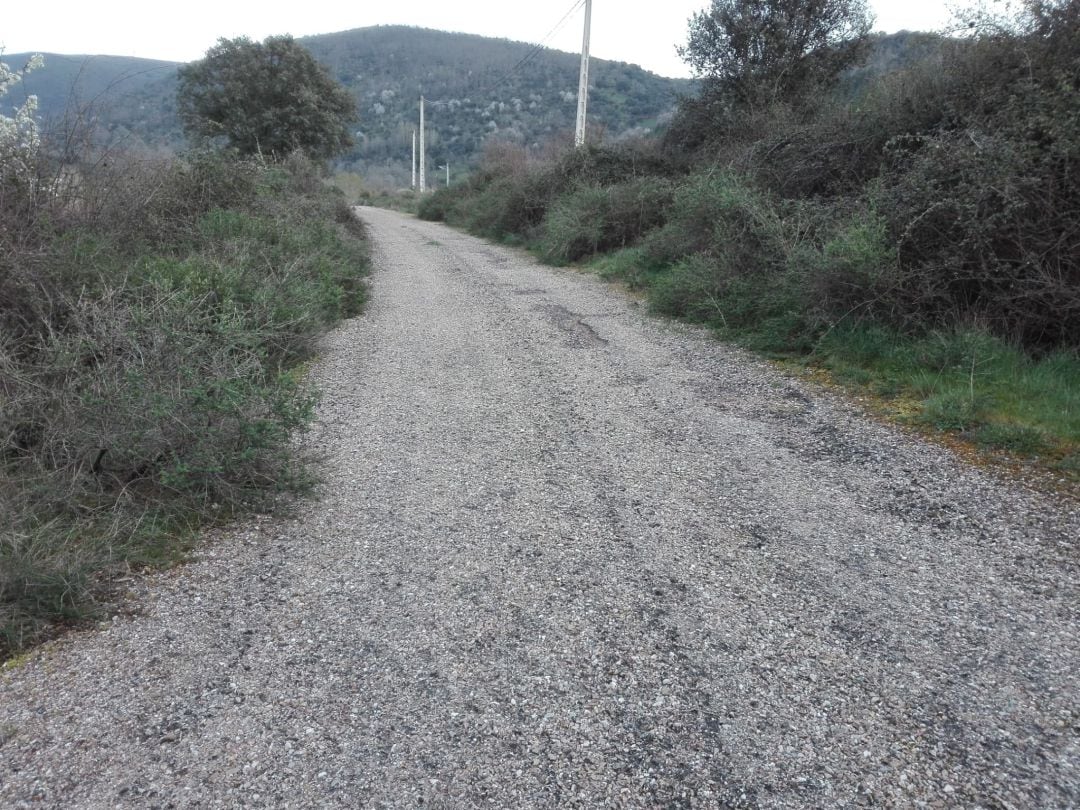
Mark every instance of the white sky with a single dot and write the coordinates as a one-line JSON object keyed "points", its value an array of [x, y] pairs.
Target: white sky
{"points": [[635, 31]]}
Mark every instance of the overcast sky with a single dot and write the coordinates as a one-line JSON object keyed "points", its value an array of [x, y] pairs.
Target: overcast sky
{"points": [[645, 33]]}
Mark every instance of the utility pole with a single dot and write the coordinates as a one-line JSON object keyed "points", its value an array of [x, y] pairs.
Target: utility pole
{"points": [[583, 84], [414, 159], [423, 164]]}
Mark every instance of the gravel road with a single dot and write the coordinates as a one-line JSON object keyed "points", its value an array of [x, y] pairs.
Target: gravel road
{"points": [[567, 555]]}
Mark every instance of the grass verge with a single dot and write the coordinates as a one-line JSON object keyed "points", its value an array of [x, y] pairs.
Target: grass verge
{"points": [[965, 384]]}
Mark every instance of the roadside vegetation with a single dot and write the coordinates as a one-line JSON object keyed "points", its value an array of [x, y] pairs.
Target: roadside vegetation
{"points": [[155, 316], [915, 231], [358, 191]]}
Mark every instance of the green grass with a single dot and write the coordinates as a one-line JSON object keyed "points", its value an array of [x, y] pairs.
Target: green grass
{"points": [[967, 382], [57, 571], [627, 266]]}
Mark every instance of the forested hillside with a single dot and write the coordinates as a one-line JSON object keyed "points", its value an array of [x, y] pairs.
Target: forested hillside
{"points": [[475, 93], [477, 87], [131, 100]]}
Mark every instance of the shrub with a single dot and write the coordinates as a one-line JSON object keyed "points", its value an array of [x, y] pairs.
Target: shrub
{"points": [[970, 160], [735, 273], [510, 194], [508, 205], [844, 259], [836, 143], [147, 365], [716, 213], [152, 201], [574, 225], [982, 233], [626, 265], [593, 219], [600, 164], [437, 207]]}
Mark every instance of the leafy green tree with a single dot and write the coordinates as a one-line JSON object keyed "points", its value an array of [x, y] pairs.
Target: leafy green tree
{"points": [[269, 98], [751, 53]]}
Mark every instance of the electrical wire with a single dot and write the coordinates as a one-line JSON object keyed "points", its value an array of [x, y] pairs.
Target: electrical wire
{"points": [[537, 48]]}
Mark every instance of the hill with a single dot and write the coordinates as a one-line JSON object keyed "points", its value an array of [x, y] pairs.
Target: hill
{"points": [[84, 79], [478, 88], [130, 98]]}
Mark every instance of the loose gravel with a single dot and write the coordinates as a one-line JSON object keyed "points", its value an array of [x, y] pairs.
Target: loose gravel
{"points": [[567, 555]]}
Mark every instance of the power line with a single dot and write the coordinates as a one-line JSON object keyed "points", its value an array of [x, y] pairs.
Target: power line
{"points": [[561, 23], [537, 48], [521, 62]]}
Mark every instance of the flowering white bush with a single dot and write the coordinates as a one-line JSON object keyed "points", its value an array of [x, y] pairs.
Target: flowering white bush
{"points": [[19, 134]]}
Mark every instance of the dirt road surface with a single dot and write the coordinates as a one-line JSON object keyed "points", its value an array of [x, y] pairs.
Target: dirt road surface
{"points": [[567, 555]]}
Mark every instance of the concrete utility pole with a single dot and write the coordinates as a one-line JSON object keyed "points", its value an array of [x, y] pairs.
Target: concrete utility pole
{"points": [[414, 159], [583, 84], [423, 164]]}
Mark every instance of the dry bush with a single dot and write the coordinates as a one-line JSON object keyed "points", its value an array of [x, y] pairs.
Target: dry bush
{"points": [[984, 209], [970, 159]]}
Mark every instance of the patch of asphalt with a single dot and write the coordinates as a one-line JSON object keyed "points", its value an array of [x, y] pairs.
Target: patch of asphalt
{"points": [[566, 555]]}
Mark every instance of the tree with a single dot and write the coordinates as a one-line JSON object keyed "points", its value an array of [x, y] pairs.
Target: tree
{"points": [[18, 134], [269, 98], [751, 53]]}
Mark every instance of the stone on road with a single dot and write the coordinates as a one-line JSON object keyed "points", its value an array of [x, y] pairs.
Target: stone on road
{"points": [[566, 555]]}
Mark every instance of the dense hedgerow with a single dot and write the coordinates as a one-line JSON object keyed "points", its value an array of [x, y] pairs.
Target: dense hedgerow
{"points": [[943, 194], [511, 194], [968, 159], [153, 315]]}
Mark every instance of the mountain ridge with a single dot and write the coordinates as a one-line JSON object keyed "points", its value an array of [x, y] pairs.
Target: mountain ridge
{"points": [[480, 88]]}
